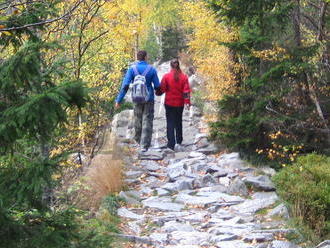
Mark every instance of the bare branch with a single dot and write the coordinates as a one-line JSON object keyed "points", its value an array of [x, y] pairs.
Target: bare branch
{"points": [[92, 40], [17, 4], [44, 22]]}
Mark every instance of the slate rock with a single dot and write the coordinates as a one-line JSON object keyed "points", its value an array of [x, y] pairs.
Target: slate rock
{"points": [[130, 197], [280, 211], [188, 238], [198, 155], [210, 149], [259, 201], [151, 155], [284, 244], [179, 185], [237, 186], [204, 181], [324, 244], [234, 244], [221, 238], [159, 238], [260, 183], [133, 174], [173, 226], [164, 206], [259, 237], [125, 213], [150, 165]]}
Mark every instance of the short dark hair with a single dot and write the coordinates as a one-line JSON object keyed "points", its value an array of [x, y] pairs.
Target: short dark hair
{"points": [[141, 55]]}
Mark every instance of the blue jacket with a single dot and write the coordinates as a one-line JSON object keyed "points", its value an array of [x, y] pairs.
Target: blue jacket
{"points": [[151, 77]]}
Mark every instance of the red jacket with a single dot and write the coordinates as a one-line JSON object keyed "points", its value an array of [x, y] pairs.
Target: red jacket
{"points": [[177, 93]]}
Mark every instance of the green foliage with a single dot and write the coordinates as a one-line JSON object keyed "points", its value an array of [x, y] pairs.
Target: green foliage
{"points": [[306, 186], [111, 203], [152, 47], [173, 42], [274, 84]]}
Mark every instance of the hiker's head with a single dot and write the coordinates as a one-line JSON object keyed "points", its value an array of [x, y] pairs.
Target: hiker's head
{"points": [[175, 64], [141, 55]]}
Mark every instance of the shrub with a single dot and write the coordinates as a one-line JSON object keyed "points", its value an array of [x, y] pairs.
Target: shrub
{"points": [[305, 185]]}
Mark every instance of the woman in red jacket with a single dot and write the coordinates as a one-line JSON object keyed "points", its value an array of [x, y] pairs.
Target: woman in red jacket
{"points": [[175, 85]]}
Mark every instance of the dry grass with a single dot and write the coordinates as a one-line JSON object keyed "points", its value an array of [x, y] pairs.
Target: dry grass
{"points": [[104, 176]]}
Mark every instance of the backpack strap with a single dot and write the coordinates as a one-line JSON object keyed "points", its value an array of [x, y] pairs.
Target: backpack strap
{"points": [[136, 72], [147, 70]]}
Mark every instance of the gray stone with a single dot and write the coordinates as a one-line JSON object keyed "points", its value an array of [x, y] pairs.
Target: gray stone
{"points": [[198, 155], [258, 237], [125, 213], [284, 244], [221, 172], [229, 230], [176, 170], [165, 206], [204, 181], [151, 155], [260, 183], [188, 238], [130, 198], [162, 192], [200, 136], [173, 226], [131, 181], [205, 198], [196, 218], [237, 186], [232, 175], [233, 244], [169, 216], [134, 227], [179, 185], [150, 165], [210, 149], [135, 239], [224, 181], [146, 190], [280, 211], [232, 161], [159, 238], [122, 119], [203, 142], [181, 246], [259, 201], [133, 174], [221, 238], [216, 188], [324, 244], [268, 171]]}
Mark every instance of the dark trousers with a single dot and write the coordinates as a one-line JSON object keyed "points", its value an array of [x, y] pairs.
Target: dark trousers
{"points": [[174, 125]]}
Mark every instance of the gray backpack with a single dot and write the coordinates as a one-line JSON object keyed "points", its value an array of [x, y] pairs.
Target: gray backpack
{"points": [[140, 93]]}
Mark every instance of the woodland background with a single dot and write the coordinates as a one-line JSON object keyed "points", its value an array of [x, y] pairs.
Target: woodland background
{"points": [[266, 72]]}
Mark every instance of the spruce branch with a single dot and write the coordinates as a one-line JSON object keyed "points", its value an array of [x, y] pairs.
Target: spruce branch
{"points": [[67, 14]]}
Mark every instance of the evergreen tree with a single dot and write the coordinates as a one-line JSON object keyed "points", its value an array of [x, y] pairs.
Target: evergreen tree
{"points": [[33, 104], [280, 88]]}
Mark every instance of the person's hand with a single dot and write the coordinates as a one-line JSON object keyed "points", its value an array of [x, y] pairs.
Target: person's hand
{"points": [[117, 105]]}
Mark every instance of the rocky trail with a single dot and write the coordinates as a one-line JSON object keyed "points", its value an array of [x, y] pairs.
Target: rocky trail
{"points": [[197, 197]]}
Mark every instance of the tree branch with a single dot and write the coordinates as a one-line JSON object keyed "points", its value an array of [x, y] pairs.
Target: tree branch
{"points": [[92, 40], [17, 4], [44, 22]]}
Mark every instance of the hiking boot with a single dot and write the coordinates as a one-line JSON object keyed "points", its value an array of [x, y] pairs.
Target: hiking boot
{"points": [[178, 148]]}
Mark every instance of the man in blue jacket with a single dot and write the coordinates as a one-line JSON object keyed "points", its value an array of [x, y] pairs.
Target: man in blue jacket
{"points": [[143, 112]]}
